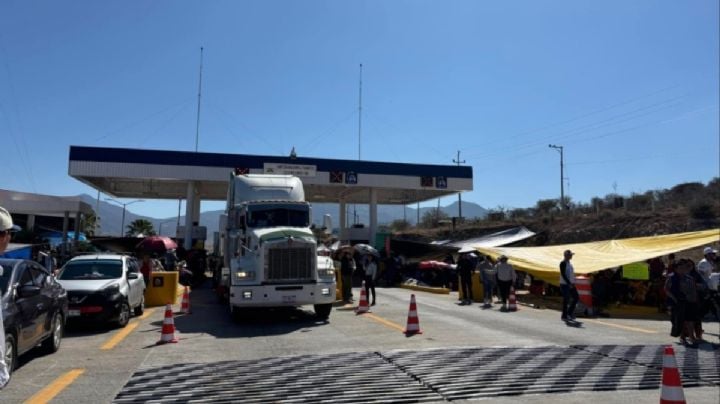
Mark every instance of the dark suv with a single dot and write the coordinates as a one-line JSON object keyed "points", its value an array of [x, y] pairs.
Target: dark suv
{"points": [[35, 307]]}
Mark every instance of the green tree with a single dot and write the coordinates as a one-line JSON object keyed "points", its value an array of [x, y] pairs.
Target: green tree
{"points": [[545, 206], [140, 226], [399, 225], [90, 225], [432, 218]]}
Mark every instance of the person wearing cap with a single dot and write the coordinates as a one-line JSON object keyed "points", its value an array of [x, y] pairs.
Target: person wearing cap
{"points": [[567, 286], [465, 268], [506, 277], [706, 266], [6, 229]]}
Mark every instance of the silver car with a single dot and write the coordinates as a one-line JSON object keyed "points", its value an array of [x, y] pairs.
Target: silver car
{"points": [[103, 287]]}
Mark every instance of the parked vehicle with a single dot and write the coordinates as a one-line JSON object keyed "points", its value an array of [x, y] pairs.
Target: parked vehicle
{"points": [[35, 308], [103, 288]]}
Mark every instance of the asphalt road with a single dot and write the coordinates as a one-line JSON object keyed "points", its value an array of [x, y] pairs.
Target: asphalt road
{"points": [[464, 353]]}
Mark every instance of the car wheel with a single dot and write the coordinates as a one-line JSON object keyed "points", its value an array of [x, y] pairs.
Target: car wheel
{"points": [[124, 315], [52, 343], [322, 311], [10, 352], [140, 309]]}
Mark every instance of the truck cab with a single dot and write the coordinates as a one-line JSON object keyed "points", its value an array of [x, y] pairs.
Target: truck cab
{"points": [[269, 250]]}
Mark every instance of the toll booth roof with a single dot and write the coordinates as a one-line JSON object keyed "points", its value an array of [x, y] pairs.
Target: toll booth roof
{"points": [[164, 174]]}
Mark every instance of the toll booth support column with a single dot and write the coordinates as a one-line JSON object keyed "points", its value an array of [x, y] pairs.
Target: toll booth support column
{"points": [[343, 218], [30, 223], [189, 210], [76, 230], [66, 224], [373, 215]]}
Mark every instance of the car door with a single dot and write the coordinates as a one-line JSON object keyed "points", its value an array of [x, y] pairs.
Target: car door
{"points": [[28, 310], [135, 285], [45, 298]]}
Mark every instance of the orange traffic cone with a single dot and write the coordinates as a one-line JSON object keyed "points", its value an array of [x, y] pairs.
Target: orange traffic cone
{"points": [[672, 391], [185, 305], [512, 302], [413, 322], [168, 329], [363, 306]]}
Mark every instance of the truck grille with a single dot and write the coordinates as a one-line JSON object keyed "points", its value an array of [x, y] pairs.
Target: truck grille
{"points": [[290, 264]]}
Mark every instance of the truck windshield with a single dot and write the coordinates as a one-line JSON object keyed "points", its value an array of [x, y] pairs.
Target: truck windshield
{"points": [[278, 215]]}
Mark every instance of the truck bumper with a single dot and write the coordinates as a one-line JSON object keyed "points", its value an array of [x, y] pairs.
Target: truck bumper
{"points": [[282, 295]]}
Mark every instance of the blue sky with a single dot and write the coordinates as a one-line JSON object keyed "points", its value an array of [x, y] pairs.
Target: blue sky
{"points": [[629, 88]]}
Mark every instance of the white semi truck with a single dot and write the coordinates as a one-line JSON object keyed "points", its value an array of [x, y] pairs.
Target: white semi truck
{"points": [[269, 251]]}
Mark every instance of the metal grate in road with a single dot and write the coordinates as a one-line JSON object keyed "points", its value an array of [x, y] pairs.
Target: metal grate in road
{"points": [[483, 372], [702, 364], [340, 378], [419, 376]]}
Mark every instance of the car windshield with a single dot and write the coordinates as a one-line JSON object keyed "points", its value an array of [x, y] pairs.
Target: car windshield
{"points": [[100, 269], [278, 215], [5, 277]]}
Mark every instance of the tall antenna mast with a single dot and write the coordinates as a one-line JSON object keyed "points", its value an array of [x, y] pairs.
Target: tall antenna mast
{"points": [[197, 126], [359, 135], [360, 114]]}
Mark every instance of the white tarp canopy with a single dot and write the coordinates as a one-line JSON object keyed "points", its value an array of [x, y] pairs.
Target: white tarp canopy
{"points": [[498, 239]]}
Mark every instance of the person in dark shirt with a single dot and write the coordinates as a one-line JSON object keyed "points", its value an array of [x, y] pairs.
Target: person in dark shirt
{"points": [[465, 268], [347, 267]]}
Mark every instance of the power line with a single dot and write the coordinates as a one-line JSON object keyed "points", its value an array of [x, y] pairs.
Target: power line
{"points": [[579, 117]]}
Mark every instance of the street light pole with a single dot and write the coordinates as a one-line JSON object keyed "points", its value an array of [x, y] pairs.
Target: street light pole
{"points": [[562, 177], [124, 205]]}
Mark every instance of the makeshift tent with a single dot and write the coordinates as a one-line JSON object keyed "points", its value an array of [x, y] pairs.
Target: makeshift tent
{"points": [[21, 251], [504, 237], [543, 262]]}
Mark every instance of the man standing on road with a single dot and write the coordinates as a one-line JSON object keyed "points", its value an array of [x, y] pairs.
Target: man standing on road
{"points": [[706, 266], [347, 267], [567, 286], [6, 228], [465, 268], [488, 274]]}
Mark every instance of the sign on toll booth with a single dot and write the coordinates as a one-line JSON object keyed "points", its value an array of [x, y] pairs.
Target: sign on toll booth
{"points": [[300, 170]]}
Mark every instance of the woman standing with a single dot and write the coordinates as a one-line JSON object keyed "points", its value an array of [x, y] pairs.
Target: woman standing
{"points": [[506, 277], [370, 275], [682, 292]]}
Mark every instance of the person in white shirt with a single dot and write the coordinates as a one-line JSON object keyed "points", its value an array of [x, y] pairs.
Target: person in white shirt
{"points": [[370, 275], [706, 266], [567, 286]]}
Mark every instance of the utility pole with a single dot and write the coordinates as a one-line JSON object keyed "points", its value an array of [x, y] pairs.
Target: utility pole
{"points": [[458, 162], [562, 177]]}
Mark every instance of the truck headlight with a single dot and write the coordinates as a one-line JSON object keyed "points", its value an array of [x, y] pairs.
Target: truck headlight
{"points": [[326, 273], [245, 275]]}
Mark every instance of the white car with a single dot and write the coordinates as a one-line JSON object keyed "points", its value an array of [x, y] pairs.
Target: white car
{"points": [[103, 287]]}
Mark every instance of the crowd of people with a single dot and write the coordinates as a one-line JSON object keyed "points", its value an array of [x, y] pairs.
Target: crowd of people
{"points": [[692, 291]]}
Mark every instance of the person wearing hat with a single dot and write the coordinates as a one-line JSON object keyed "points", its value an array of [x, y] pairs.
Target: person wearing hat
{"points": [[706, 266], [506, 277], [567, 286], [465, 268], [6, 229]]}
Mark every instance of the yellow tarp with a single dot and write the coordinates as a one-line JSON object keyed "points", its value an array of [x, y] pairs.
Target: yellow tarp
{"points": [[543, 262]]}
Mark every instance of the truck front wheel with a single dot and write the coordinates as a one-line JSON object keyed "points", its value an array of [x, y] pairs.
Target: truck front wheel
{"points": [[322, 311]]}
